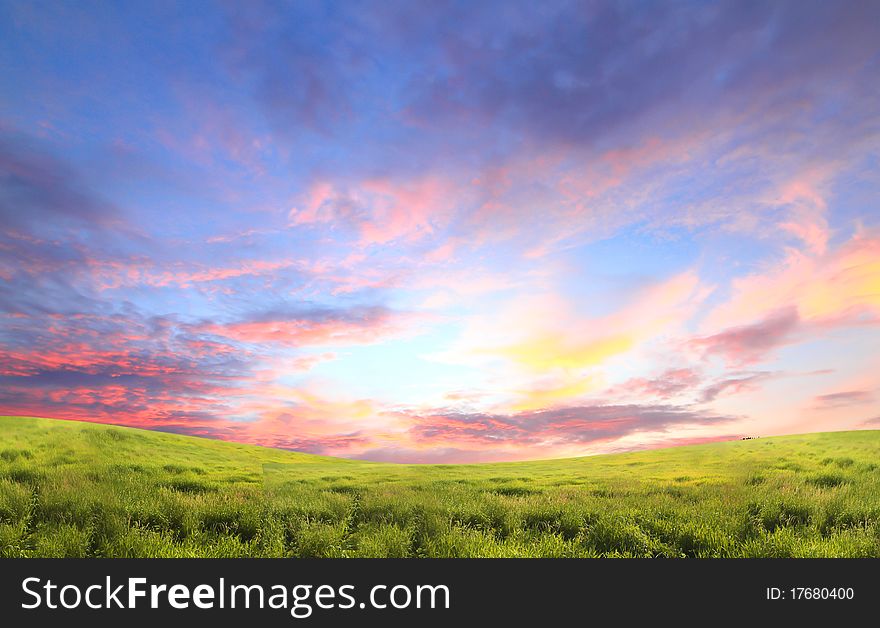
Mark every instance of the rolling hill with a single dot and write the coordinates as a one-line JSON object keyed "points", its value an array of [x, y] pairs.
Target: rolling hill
{"points": [[81, 489]]}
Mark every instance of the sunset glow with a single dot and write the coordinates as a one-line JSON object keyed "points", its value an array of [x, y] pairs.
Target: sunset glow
{"points": [[485, 231]]}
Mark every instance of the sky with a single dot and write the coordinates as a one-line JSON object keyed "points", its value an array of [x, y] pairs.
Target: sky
{"points": [[442, 231]]}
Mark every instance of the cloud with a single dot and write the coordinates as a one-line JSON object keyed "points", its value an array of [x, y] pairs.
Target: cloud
{"points": [[51, 216], [304, 65], [307, 362], [427, 98], [747, 344], [558, 351], [91, 360], [118, 273], [809, 294], [837, 288], [736, 384], [806, 198], [380, 211], [581, 425], [434, 455], [670, 383], [551, 394], [547, 355], [37, 189], [561, 206], [321, 445], [541, 333], [674, 442], [608, 69], [843, 399], [308, 327]]}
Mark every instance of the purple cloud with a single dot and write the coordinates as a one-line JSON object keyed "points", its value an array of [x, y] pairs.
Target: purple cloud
{"points": [[732, 385], [750, 343], [844, 398], [574, 425]]}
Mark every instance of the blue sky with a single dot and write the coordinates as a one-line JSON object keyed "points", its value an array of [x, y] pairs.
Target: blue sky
{"points": [[442, 231]]}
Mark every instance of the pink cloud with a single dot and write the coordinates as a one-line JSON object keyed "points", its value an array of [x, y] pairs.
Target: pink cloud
{"points": [[838, 287], [111, 274], [735, 384], [804, 197], [670, 383], [380, 210], [580, 425], [844, 398], [747, 344], [293, 329]]}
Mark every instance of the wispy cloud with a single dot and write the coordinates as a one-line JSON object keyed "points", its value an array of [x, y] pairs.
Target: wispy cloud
{"points": [[580, 425], [442, 232], [845, 398], [748, 344]]}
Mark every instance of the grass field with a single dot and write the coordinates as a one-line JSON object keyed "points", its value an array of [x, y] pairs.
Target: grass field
{"points": [[79, 489]]}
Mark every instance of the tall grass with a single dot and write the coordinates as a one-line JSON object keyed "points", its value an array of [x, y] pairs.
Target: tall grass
{"points": [[77, 489]]}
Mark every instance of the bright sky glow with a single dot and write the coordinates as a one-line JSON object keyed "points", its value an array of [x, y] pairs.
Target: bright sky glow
{"points": [[442, 232]]}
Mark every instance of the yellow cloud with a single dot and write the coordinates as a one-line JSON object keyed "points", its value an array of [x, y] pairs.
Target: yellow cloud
{"points": [[551, 351], [357, 409], [842, 283], [548, 397]]}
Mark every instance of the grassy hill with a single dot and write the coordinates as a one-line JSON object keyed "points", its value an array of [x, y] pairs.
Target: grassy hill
{"points": [[79, 489]]}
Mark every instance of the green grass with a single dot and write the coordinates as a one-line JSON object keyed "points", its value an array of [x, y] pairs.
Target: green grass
{"points": [[79, 489]]}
